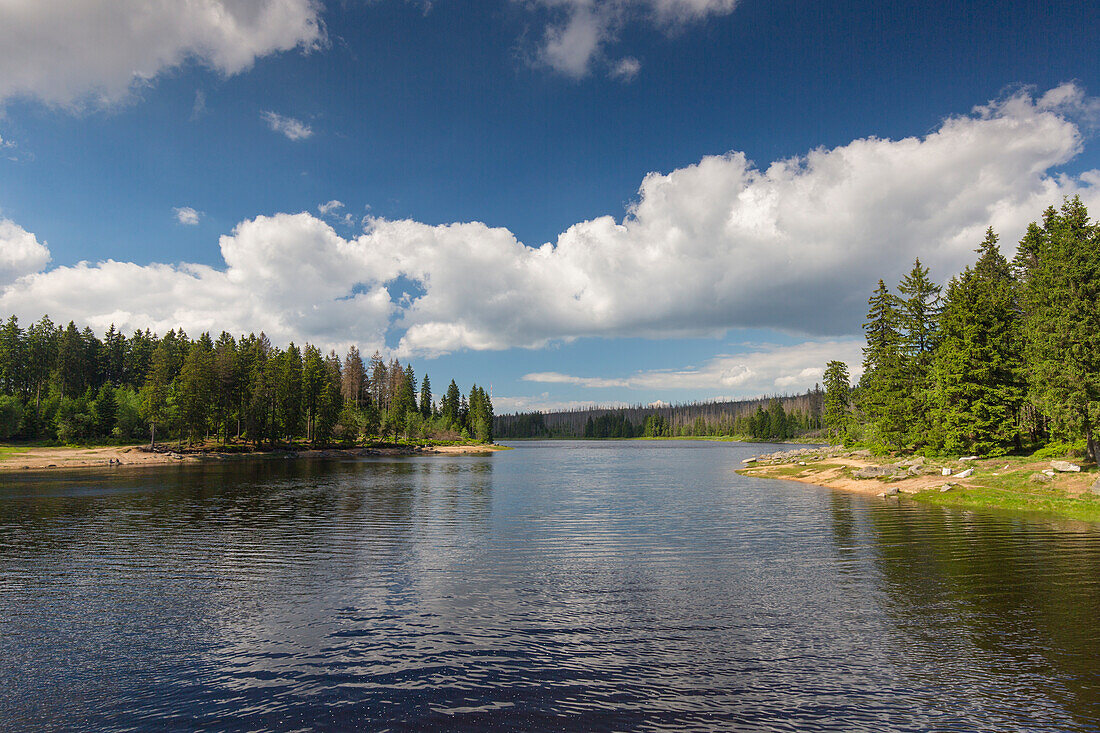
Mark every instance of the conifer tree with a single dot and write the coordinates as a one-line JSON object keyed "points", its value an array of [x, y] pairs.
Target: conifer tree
{"points": [[426, 398], [882, 386], [978, 377], [1062, 302], [837, 398]]}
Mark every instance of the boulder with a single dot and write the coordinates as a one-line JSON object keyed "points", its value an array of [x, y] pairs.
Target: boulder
{"points": [[946, 487], [945, 471], [1095, 488], [914, 461], [861, 453], [969, 458], [873, 472], [1065, 466], [914, 470], [1039, 478], [965, 474], [749, 460], [1048, 472]]}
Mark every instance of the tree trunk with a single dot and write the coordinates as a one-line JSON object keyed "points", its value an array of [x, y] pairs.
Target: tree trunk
{"points": [[152, 435], [1090, 442]]}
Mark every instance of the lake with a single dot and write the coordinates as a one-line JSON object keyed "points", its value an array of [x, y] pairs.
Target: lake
{"points": [[635, 585]]}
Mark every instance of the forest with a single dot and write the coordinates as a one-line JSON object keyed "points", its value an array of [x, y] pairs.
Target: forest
{"points": [[762, 418], [1005, 359], [67, 384]]}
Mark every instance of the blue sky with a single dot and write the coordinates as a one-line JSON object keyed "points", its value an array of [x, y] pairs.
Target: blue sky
{"points": [[907, 129]]}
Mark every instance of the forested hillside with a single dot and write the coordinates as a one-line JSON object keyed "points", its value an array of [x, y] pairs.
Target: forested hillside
{"points": [[1005, 359], [764, 418], [70, 385]]}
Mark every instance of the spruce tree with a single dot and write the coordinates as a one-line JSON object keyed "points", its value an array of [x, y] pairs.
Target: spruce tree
{"points": [[883, 395], [978, 367], [1062, 333], [837, 398]]}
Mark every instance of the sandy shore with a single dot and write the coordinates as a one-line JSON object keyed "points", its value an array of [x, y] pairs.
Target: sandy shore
{"points": [[33, 459], [834, 468]]}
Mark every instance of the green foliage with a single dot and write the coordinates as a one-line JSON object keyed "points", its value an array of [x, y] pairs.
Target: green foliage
{"points": [[836, 413], [978, 367], [11, 416]]}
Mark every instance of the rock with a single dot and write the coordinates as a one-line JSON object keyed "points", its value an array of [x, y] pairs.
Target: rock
{"points": [[914, 461], [802, 463], [965, 474], [914, 470], [888, 492], [749, 460], [1048, 472], [1095, 488], [861, 453], [946, 487], [969, 458], [1039, 478], [873, 472], [945, 472], [1065, 466]]}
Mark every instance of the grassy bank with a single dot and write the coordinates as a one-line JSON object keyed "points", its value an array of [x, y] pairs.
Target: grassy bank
{"points": [[1010, 483]]}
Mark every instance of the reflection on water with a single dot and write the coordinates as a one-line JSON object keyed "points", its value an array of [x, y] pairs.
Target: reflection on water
{"points": [[585, 585]]}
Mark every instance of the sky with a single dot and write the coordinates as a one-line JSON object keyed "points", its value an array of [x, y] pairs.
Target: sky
{"points": [[573, 202]]}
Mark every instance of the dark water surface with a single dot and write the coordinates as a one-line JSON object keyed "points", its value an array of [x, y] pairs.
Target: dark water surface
{"points": [[616, 585]]}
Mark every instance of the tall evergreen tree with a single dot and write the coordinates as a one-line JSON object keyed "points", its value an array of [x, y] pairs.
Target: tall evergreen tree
{"points": [[883, 395], [426, 398], [1062, 302], [836, 413], [978, 376]]}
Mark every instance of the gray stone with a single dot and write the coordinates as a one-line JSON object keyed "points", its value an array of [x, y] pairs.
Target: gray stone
{"points": [[914, 470], [1065, 466], [749, 460], [861, 453], [1095, 488], [965, 474], [1039, 478], [946, 487], [1048, 472], [873, 472], [969, 458], [945, 471]]}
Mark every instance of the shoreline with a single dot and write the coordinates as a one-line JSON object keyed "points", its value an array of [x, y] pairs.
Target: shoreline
{"points": [[1019, 483], [14, 459]]}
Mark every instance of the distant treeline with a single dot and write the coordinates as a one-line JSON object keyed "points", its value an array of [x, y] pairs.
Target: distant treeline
{"points": [[1007, 359], [764, 418], [68, 384]]}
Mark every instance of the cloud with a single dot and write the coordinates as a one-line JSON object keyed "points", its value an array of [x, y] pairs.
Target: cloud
{"points": [[186, 215], [292, 128], [198, 109], [20, 252], [329, 207], [76, 53], [721, 244], [764, 369], [580, 29], [626, 69]]}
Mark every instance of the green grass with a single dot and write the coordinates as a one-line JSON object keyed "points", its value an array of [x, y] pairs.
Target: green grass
{"points": [[1041, 500]]}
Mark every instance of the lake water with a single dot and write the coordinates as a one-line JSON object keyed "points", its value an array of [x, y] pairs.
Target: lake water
{"points": [[564, 585]]}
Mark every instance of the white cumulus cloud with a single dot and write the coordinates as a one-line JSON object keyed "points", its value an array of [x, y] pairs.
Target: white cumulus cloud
{"points": [[20, 252], [721, 244], [293, 129], [186, 215], [74, 52]]}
